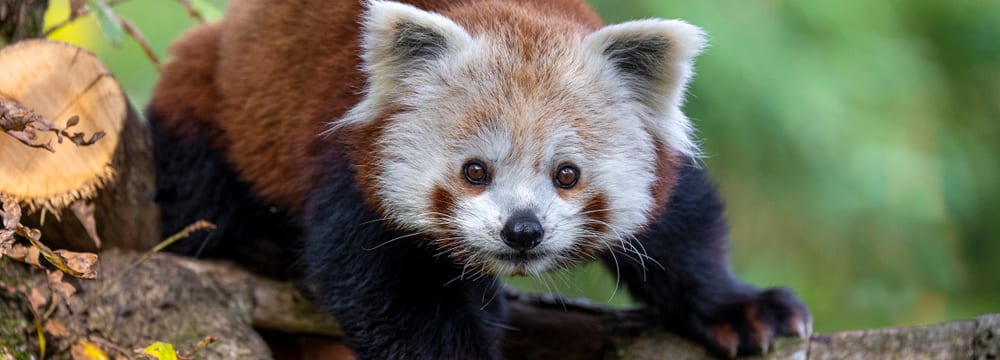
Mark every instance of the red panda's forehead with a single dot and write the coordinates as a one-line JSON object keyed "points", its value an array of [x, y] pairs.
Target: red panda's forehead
{"points": [[531, 22], [533, 137], [535, 108]]}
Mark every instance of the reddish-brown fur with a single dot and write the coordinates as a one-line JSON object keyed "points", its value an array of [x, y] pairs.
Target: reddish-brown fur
{"points": [[263, 83], [667, 163], [442, 202]]}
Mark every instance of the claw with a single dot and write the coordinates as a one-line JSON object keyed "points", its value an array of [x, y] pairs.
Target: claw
{"points": [[727, 339]]}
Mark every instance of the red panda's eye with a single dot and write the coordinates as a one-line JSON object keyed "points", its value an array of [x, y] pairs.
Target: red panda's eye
{"points": [[567, 176], [475, 172]]}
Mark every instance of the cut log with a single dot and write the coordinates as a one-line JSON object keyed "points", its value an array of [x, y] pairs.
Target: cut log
{"points": [[60, 82]]}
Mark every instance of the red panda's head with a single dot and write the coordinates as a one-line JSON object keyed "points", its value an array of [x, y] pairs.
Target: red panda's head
{"points": [[521, 141]]}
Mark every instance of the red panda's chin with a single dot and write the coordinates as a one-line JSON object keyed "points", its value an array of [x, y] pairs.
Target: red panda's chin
{"points": [[521, 263]]}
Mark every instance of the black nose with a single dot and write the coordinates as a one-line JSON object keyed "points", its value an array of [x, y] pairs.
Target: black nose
{"points": [[522, 231]]}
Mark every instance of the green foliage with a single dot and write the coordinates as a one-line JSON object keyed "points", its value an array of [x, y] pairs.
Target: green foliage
{"points": [[854, 141], [108, 20]]}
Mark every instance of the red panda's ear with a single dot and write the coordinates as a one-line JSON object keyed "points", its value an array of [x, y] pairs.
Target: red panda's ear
{"points": [[398, 41], [654, 60], [656, 55]]}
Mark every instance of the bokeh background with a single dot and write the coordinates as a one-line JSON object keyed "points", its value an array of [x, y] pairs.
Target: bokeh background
{"points": [[856, 143]]}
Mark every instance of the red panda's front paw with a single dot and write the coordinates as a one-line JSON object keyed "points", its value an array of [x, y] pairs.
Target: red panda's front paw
{"points": [[749, 327]]}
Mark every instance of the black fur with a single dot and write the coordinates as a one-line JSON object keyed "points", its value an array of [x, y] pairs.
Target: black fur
{"points": [[394, 298], [639, 57], [194, 182], [690, 285]]}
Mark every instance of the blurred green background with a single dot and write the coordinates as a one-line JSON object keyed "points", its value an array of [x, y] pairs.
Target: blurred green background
{"points": [[855, 142]]}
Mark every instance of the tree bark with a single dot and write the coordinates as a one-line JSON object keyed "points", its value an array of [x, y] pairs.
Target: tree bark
{"points": [[181, 300], [20, 19]]}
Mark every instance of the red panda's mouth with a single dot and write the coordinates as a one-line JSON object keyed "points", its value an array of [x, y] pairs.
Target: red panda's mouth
{"points": [[519, 257]]}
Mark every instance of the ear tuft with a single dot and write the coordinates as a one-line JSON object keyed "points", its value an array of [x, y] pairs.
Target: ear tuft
{"points": [[398, 37], [654, 59], [654, 54], [397, 42]]}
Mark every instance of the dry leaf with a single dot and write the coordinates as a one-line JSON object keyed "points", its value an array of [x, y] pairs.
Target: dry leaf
{"points": [[79, 264], [84, 212], [23, 124], [11, 214], [6, 240], [25, 254], [76, 8], [32, 258], [37, 299], [55, 328], [17, 252], [56, 284], [85, 350]]}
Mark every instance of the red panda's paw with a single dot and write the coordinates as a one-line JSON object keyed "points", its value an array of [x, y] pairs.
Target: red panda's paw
{"points": [[750, 326]]}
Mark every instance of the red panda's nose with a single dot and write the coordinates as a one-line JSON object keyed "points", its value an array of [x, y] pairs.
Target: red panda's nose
{"points": [[522, 231]]}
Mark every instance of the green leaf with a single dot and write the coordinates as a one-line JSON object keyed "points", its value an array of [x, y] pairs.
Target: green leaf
{"points": [[161, 351], [110, 24]]}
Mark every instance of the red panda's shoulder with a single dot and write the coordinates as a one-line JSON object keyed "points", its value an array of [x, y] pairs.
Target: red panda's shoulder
{"points": [[184, 97]]}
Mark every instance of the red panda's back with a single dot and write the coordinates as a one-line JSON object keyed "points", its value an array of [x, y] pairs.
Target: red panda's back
{"points": [[263, 84]]}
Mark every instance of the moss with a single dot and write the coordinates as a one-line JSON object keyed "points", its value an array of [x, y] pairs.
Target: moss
{"points": [[13, 320], [6, 278], [12, 325]]}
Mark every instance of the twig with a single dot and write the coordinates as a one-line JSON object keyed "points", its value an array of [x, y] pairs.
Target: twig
{"points": [[208, 340], [196, 226], [192, 12], [23, 124], [123, 351], [136, 35], [75, 14]]}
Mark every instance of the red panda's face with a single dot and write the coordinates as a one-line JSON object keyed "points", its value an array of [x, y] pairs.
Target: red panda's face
{"points": [[519, 158]]}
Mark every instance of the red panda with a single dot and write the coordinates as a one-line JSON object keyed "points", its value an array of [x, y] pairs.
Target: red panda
{"points": [[405, 155]]}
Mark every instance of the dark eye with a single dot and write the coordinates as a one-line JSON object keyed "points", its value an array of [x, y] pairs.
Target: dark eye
{"points": [[567, 176], [475, 172]]}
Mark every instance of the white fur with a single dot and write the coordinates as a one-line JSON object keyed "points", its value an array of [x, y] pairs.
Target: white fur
{"points": [[686, 41], [378, 31], [423, 147]]}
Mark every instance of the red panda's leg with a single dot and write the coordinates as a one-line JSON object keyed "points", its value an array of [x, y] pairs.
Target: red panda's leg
{"points": [[392, 295], [194, 183], [683, 275]]}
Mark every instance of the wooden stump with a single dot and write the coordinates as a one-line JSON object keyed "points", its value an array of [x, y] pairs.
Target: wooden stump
{"points": [[59, 81]]}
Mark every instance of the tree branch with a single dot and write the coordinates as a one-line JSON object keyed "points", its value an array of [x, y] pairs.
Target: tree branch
{"points": [[541, 327]]}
